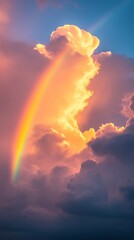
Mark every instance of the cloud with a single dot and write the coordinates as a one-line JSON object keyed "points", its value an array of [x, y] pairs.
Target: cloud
{"points": [[20, 68], [108, 128], [49, 147], [119, 144], [105, 189], [113, 82], [68, 87], [81, 41], [102, 191], [85, 190], [63, 193], [128, 106]]}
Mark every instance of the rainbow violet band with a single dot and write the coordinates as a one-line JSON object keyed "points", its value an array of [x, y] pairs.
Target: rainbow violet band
{"points": [[30, 110]]}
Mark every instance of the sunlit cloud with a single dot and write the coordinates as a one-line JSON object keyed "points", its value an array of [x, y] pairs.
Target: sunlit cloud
{"points": [[62, 89], [63, 166]]}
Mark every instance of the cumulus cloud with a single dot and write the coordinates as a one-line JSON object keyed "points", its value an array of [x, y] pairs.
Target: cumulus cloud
{"points": [[22, 67], [68, 89], [58, 193], [80, 40], [104, 189]]}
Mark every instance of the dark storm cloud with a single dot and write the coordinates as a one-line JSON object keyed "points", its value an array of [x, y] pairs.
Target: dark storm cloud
{"points": [[99, 196], [84, 191], [119, 146], [105, 190], [88, 194]]}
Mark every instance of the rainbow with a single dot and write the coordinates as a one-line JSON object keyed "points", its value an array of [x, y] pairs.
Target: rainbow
{"points": [[30, 110]]}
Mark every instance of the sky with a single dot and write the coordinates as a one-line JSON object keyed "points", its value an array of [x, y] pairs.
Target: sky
{"points": [[111, 21], [67, 119]]}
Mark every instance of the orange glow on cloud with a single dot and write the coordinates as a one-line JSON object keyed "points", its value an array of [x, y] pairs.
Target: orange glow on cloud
{"points": [[67, 93], [61, 92], [30, 111], [108, 128]]}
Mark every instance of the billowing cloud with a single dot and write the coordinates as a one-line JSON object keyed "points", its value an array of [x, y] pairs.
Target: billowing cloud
{"points": [[65, 190], [105, 190], [66, 93]]}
